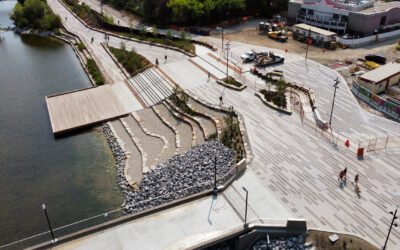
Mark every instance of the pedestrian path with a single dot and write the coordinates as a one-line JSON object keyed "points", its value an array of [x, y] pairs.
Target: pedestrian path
{"points": [[151, 86], [186, 74]]}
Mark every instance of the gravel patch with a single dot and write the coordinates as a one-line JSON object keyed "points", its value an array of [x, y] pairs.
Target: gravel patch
{"points": [[292, 243]]}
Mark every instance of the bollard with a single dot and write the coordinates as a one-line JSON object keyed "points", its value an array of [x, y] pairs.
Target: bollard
{"points": [[360, 152], [347, 143]]}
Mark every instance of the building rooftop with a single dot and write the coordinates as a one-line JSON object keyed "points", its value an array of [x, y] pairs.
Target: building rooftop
{"points": [[381, 73], [381, 7], [314, 29]]}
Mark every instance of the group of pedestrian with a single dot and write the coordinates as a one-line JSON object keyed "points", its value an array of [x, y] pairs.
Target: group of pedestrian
{"points": [[106, 37], [343, 179]]}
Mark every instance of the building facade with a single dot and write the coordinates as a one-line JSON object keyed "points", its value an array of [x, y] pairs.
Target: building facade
{"points": [[382, 78], [356, 17]]}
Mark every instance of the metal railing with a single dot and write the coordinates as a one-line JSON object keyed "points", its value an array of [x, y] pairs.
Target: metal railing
{"points": [[380, 143], [120, 212]]}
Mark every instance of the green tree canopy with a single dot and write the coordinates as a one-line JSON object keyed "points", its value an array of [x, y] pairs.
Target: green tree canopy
{"points": [[35, 14]]}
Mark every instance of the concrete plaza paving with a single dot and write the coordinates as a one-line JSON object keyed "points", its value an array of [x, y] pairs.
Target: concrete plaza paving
{"points": [[294, 171]]}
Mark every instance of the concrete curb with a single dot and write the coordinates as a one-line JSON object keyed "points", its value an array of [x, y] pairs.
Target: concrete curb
{"points": [[229, 86], [169, 125], [79, 56], [203, 130], [345, 233], [183, 119], [287, 111], [242, 126], [104, 226], [165, 141], [123, 37]]}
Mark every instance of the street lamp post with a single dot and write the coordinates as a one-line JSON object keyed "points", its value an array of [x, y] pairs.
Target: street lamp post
{"points": [[231, 125], [334, 96], [222, 37], [48, 222], [215, 190], [227, 58], [308, 41], [391, 225], [245, 212]]}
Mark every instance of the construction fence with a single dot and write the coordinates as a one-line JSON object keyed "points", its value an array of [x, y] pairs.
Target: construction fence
{"points": [[388, 108]]}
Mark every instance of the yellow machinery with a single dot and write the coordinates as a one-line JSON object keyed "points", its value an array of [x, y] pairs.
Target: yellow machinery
{"points": [[277, 35]]}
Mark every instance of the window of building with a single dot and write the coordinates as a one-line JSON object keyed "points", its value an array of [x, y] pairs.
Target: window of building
{"points": [[335, 16], [303, 11], [383, 20], [310, 12]]}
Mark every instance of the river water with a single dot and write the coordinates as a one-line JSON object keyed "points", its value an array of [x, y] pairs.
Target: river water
{"points": [[75, 175]]}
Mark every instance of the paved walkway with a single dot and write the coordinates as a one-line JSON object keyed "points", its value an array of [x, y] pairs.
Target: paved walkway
{"points": [[172, 227], [293, 173]]}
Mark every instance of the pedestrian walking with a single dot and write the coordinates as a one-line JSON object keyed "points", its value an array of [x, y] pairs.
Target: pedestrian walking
{"points": [[118, 22], [220, 101], [345, 173], [91, 40], [66, 18], [356, 187], [356, 179], [209, 76], [165, 58], [157, 62]]}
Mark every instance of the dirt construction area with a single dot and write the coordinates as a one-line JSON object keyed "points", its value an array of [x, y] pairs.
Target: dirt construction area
{"points": [[252, 36]]}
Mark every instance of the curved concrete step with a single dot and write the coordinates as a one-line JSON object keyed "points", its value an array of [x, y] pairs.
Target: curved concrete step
{"points": [[184, 118], [194, 123], [155, 125], [182, 130], [133, 165], [137, 142], [215, 116], [152, 145]]}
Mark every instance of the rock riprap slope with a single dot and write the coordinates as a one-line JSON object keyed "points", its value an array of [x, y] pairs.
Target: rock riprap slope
{"points": [[179, 177]]}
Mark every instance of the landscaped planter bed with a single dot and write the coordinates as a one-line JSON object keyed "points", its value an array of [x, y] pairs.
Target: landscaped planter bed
{"points": [[232, 83], [270, 104]]}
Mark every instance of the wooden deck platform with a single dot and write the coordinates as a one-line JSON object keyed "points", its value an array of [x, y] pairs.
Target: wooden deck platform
{"points": [[84, 107]]}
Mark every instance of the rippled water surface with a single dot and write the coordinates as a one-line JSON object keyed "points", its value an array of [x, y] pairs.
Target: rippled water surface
{"points": [[73, 175]]}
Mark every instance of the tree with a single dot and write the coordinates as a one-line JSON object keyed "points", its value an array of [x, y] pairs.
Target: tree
{"points": [[186, 11], [35, 14]]}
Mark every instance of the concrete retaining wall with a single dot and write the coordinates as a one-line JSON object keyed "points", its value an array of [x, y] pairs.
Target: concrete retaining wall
{"points": [[353, 43]]}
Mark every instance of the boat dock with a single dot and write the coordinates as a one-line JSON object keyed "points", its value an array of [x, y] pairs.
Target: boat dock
{"points": [[85, 107]]}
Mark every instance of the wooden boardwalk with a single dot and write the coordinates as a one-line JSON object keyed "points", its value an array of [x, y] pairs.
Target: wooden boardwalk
{"points": [[76, 109]]}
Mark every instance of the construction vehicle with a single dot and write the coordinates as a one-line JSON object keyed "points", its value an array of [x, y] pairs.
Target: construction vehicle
{"points": [[371, 65], [277, 35], [248, 56], [264, 59]]}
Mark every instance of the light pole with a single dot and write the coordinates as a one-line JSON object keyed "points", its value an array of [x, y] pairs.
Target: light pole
{"points": [[245, 213], [231, 125], [308, 41], [391, 225], [334, 96], [48, 222], [215, 190], [222, 37], [227, 58]]}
